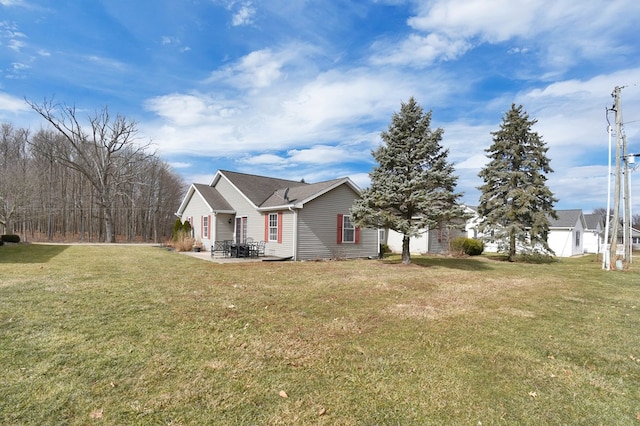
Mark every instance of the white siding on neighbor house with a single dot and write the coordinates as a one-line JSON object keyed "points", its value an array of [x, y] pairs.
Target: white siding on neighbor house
{"points": [[433, 241], [593, 241], [318, 228], [563, 241], [417, 245]]}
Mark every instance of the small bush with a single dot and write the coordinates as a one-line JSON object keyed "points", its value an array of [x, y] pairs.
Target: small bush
{"points": [[469, 246], [181, 230], [456, 246], [10, 238], [473, 247], [177, 227], [184, 243], [1, 242]]}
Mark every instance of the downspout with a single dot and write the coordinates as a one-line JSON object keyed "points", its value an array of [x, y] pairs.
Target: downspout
{"points": [[214, 228], [295, 232]]}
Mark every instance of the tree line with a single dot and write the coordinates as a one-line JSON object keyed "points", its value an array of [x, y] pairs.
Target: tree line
{"points": [[81, 180]]}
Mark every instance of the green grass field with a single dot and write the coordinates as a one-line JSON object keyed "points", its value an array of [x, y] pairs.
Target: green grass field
{"points": [[124, 335]]}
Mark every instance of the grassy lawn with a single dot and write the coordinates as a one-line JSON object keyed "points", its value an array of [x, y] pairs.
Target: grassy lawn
{"points": [[138, 335]]}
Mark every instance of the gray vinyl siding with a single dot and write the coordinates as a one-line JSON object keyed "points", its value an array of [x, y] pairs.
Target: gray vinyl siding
{"points": [[285, 248], [255, 221], [317, 228], [196, 208]]}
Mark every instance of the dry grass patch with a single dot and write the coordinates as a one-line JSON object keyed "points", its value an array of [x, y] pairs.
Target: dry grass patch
{"points": [[138, 335]]}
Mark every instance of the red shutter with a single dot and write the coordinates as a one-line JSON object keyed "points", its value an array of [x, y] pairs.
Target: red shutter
{"points": [[266, 227], [201, 226], [280, 228], [339, 233], [357, 234], [209, 227]]}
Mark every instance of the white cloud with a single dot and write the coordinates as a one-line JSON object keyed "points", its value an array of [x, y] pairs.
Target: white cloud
{"points": [[12, 104], [324, 154], [258, 69], [244, 15], [418, 50], [572, 114], [495, 21], [180, 165], [274, 110], [561, 29], [271, 160]]}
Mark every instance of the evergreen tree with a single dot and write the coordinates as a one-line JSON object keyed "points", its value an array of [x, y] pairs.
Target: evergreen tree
{"points": [[515, 202], [412, 187]]}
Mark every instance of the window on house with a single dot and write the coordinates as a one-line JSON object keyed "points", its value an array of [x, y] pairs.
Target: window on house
{"points": [[577, 238], [348, 230], [273, 226], [205, 227]]}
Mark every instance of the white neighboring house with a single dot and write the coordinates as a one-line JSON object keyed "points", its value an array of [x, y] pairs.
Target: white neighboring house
{"points": [[434, 240], [566, 233], [593, 233], [472, 229], [635, 238]]}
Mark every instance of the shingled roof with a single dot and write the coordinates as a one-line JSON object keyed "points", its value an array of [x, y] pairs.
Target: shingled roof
{"points": [[258, 188], [300, 193], [215, 200], [265, 192], [593, 220], [566, 218]]}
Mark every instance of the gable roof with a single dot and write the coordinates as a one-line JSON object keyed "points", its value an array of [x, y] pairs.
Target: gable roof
{"points": [[209, 195], [213, 198], [265, 193], [268, 193], [257, 189], [567, 219], [593, 220], [301, 194]]}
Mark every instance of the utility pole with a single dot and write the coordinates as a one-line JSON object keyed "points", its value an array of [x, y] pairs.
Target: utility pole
{"points": [[613, 248], [606, 255], [628, 246]]}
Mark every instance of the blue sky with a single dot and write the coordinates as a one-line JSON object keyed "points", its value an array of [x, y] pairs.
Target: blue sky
{"points": [[302, 89]]}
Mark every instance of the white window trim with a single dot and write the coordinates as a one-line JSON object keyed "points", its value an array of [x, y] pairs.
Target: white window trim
{"points": [[273, 237], [345, 219]]}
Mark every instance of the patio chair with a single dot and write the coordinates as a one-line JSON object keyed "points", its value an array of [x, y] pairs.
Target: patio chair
{"points": [[258, 249], [217, 247]]}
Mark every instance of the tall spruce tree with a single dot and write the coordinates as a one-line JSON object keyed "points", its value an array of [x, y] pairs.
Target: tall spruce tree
{"points": [[412, 187], [515, 202]]}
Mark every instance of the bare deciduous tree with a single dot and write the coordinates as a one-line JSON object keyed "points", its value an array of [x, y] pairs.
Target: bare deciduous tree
{"points": [[105, 152], [14, 178]]}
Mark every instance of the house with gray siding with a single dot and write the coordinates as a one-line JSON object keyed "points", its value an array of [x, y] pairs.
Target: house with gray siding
{"points": [[304, 221]]}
